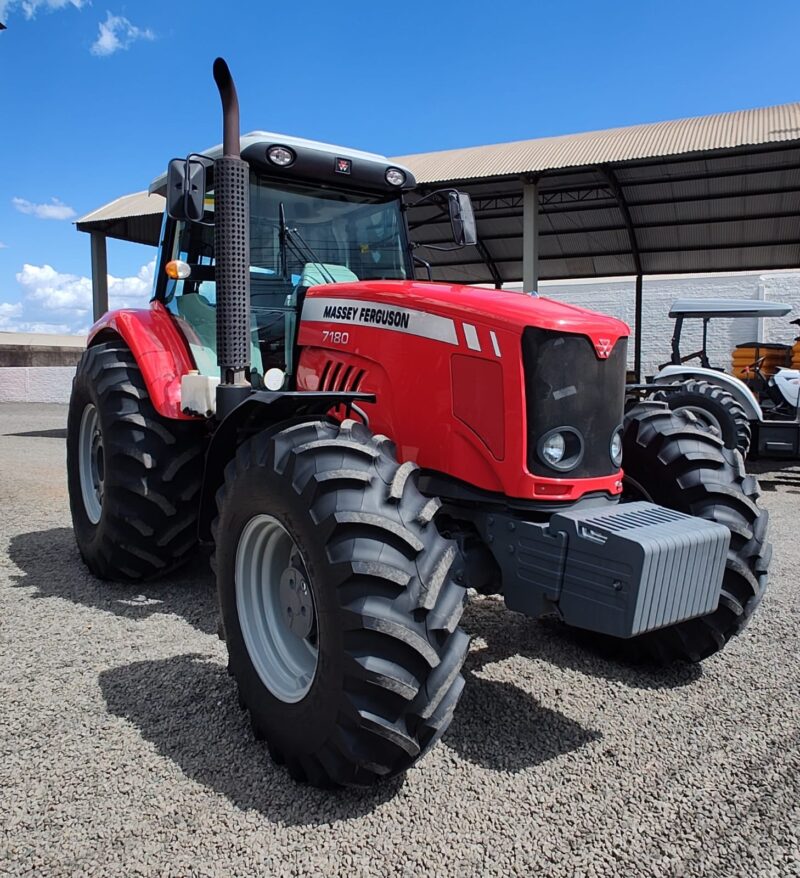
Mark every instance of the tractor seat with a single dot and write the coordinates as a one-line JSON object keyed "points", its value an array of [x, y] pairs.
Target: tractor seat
{"points": [[316, 274]]}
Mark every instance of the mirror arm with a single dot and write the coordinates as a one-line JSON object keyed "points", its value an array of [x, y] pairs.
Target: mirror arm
{"points": [[426, 265]]}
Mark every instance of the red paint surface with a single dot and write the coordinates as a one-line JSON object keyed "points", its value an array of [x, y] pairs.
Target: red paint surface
{"points": [[159, 348]]}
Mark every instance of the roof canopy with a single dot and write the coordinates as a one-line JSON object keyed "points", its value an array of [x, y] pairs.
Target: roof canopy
{"points": [[715, 193], [727, 308]]}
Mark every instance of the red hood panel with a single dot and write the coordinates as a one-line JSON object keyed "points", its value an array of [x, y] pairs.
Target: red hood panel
{"points": [[504, 310]]}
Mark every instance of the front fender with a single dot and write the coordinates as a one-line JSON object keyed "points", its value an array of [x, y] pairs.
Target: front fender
{"points": [[737, 388], [160, 350]]}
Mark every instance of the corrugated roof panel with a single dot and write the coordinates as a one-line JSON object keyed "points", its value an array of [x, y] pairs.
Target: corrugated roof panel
{"points": [[720, 131]]}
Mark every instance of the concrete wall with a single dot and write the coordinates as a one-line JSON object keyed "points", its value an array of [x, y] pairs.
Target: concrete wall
{"points": [[36, 383], [616, 297]]}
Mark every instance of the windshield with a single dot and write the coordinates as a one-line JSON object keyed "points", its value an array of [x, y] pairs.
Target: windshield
{"points": [[300, 236], [358, 236]]}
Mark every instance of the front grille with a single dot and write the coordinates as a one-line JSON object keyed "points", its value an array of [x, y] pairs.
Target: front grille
{"points": [[567, 385]]}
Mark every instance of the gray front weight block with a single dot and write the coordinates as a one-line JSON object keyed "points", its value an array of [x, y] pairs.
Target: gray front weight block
{"points": [[623, 571]]}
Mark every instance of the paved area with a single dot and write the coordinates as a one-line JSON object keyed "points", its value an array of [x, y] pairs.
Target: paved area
{"points": [[123, 751]]}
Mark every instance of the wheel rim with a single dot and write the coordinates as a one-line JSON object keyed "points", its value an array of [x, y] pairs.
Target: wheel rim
{"points": [[704, 416], [276, 609], [91, 463]]}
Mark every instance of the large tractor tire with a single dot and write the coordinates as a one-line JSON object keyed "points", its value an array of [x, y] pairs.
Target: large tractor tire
{"points": [[715, 408], [670, 459], [340, 603], [134, 477]]}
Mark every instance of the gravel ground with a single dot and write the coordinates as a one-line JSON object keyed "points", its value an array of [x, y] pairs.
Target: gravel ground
{"points": [[123, 751]]}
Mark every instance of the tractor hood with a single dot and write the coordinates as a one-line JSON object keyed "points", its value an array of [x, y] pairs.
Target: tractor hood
{"points": [[497, 308]]}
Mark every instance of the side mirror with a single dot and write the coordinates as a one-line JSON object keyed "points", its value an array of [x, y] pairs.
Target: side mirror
{"points": [[462, 218], [186, 187]]}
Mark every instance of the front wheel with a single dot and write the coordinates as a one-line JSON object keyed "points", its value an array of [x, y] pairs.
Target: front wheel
{"points": [[340, 603], [669, 459]]}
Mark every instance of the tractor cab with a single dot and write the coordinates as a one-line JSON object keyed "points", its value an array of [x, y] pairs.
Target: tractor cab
{"points": [[319, 214]]}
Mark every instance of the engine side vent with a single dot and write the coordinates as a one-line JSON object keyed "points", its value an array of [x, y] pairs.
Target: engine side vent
{"points": [[338, 377]]}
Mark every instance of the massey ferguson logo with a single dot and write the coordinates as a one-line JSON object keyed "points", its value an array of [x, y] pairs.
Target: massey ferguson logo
{"points": [[603, 347]]}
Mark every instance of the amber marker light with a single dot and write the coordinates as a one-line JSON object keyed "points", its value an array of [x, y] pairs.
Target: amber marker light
{"points": [[177, 270]]}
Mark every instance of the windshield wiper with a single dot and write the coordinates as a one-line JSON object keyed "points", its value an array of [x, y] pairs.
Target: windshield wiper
{"points": [[302, 249]]}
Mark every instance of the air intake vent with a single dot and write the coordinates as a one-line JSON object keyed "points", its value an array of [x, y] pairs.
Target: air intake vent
{"points": [[336, 376]]}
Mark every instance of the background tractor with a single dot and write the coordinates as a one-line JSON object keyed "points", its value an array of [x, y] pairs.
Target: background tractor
{"points": [[360, 448], [756, 409]]}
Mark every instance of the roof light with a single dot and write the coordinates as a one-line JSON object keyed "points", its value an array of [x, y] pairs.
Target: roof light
{"points": [[395, 177], [280, 155]]}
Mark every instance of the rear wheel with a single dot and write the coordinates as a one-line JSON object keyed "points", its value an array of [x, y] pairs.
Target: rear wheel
{"points": [[669, 459], [340, 603], [134, 477], [715, 409]]}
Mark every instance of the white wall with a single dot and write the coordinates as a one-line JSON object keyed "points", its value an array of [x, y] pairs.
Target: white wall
{"points": [[616, 297], [36, 383]]}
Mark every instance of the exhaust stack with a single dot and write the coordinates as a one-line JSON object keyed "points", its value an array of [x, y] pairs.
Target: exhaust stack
{"points": [[232, 248]]}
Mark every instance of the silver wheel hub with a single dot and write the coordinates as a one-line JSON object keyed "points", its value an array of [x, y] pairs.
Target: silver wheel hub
{"points": [[276, 609], [296, 602], [91, 463]]}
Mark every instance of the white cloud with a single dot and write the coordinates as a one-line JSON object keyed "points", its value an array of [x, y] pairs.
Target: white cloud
{"points": [[117, 33], [53, 301], [3, 246], [31, 7], [54, 209]]}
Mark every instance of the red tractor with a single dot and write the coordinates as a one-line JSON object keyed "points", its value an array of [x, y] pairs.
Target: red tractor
{"points": [[360, 448]]}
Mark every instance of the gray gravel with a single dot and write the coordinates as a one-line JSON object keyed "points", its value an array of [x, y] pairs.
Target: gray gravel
{"points": [[123, 751]]}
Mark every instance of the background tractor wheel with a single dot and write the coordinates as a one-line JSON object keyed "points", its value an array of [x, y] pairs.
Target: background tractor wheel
{"points": [[134, 477], [670, 460], [714, 407], [339, 601]]}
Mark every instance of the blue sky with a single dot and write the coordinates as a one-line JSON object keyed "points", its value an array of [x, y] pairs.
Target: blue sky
{"points": [[97, 96]]}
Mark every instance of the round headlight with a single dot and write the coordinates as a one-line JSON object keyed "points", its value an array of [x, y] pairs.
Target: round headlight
{"points": [[561, 449], [395, 177], [280, 155], [615, 449], [553, 448]]}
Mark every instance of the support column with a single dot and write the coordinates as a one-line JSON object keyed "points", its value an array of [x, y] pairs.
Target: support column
{"points": [[530, 237], [99, 274], [637, 341]]}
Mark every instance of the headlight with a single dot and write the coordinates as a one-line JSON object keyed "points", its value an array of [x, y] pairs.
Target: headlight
{"points": [[561, 449], [553, 448], [280, 155], [615, 449], [395, 177]]}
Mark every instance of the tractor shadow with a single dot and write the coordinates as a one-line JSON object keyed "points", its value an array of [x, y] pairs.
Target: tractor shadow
{"points": [[772, 474], [186, 707], [50, 563], [498, 724], [59, 433]]}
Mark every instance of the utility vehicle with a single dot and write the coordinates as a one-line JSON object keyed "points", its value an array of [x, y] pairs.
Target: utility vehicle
{"points": [[757, 411], [361, 447]]}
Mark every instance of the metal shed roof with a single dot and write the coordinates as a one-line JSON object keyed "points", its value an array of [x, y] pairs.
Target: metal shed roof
{"points": [[716, 193], [135, 217], [659, 139]]}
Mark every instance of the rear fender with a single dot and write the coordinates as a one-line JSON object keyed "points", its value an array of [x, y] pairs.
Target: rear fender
{"points": [[262, 410], [160, 350], [737, 388]]}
